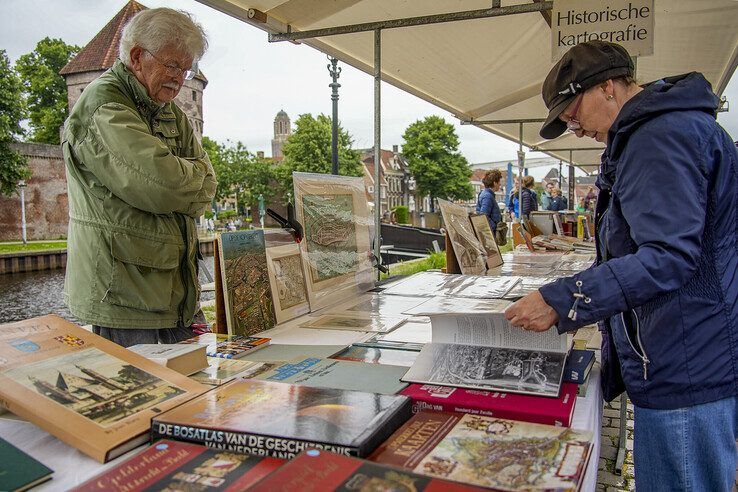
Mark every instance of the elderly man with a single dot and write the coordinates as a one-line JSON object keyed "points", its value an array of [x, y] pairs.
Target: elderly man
{"points": [[137, 178]]}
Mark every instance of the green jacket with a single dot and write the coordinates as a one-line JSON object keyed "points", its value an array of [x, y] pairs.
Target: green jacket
{"points": [[137, 178]]}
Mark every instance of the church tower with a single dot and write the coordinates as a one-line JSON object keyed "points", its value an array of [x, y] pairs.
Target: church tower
{"points": [[282, 130], [100, 54]]}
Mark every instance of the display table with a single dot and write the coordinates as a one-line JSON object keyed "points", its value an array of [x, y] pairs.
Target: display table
{"points": [[72, 467]]}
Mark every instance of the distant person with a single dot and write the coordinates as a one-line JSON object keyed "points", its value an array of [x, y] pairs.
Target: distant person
{"points": [[590, 199], [512, 199], [529, 197], [546, 196], [558, 202], [580, 205], [138, 178], [486, 201]]}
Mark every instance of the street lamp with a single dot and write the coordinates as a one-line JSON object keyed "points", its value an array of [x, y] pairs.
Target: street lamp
{"points": [[335, 71], [262, 211], [22, 185]]}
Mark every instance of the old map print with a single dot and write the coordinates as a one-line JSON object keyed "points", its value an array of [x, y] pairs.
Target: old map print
{"points": [[509, 455], [290, 281], [248, 298]]}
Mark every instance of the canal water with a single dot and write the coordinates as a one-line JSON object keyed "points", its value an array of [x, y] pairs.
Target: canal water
{"points": [[25, 295]]}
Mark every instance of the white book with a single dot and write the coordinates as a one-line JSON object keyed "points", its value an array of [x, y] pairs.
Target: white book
{"points": [[184, 358]]}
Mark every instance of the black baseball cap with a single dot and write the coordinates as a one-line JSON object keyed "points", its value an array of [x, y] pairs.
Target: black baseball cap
{"points": [[583, 66]]}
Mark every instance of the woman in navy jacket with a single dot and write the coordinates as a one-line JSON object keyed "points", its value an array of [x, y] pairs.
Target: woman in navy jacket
{"points": [[665, 285]]}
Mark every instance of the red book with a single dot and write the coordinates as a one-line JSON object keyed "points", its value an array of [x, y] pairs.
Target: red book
{"points": [[321, 470], [536, 409], [172, 465]]}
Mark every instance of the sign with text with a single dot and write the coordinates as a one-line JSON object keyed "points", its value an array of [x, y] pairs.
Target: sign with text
{"points": [[627, 23]]}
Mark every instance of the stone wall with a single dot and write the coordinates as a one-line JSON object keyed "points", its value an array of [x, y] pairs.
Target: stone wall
{"points": [[47, 210]]}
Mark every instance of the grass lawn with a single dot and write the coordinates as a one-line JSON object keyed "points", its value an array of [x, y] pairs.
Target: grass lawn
{"points": [[19, 247]]}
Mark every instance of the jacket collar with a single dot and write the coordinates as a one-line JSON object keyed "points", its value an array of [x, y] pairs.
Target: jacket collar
{"points": [[138, 93]]}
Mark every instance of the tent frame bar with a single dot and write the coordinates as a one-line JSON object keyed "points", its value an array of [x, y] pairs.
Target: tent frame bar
{"points": [[411, 21], [502, 122], [535, 148]]}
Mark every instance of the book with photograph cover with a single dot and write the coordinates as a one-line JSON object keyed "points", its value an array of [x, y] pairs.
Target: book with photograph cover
{"points": [[220, 371], [489, 452], [338, 374], [178, 466], [265, 418], [486, 352], [185, 359], [83, 389], [469, 252], [550, 411], [375, 355], [228, 346], [324, 471], [486, 237], [19, 471], [247, 295]]}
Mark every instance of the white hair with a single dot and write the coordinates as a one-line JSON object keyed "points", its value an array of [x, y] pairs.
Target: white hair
{"points": [[154, 29]]}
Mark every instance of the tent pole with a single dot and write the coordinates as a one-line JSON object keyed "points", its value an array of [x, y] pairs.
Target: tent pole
{"points": [[521, 164], [377, 144], [571, 179]]}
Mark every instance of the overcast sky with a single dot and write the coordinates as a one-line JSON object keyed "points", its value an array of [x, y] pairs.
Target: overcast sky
{"points": [[250, 80]]}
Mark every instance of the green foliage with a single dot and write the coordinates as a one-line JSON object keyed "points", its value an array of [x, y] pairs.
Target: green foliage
{"points": [[308, 150], [402, 214], [46, 91], [240, 173], [434, 261], [209, 214], [431, 149], [226, 214], [13, 166], [17, 247]]}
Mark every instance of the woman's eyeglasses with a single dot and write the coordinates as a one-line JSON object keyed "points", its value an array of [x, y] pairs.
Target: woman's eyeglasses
{"points": [[573, 124], [173, 71]]}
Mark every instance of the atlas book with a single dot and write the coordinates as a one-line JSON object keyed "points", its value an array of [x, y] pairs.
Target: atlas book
{"points": [[374, 355], [578, 365], [19, 471], [486, 352], [336, 245], [220, 371], [338, 374], [489, 452], [265, 418], [247, 295], [83, 389], [228, 346], [185, 359], [539, 410], [179, 466], [325, 471]]}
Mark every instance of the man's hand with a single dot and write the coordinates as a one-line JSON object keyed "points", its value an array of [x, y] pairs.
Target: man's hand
{"points": [[532, 313]]}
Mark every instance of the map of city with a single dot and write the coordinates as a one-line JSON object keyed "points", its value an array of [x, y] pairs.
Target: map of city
{"points": [[510, 455], [290, 281]]}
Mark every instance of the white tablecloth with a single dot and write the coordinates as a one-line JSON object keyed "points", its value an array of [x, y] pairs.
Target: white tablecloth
{"points": [[72, 467]]}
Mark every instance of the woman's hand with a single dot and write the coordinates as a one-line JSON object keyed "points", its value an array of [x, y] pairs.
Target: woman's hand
{"points": [[532, 313]]}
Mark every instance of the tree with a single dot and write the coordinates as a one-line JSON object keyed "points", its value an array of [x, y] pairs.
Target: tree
{"points": [[431, 149], [46, 91], [308, 149], [240, 173], [13, 166]]}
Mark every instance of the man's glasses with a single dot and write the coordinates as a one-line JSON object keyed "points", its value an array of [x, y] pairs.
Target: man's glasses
{"points": [[173, 71], [573, 124]]}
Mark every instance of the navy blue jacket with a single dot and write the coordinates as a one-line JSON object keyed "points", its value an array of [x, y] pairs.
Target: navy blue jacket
{"points": [[557, 203], [666, 278], [487, 205]]}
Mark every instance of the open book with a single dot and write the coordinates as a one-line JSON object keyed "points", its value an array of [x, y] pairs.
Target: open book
{"points": [[484, 351]]}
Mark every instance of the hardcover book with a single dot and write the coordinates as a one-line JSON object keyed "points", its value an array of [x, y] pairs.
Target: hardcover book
{"points": [[178, 466], [228, 346], [87, 391], [486, 352], [220, 371], [489, 452], [185, 359], [338, 374], [19, 471], [578, 365], [550, 411], [373, 355], [265, 418], [247, 294], [316, 470]]}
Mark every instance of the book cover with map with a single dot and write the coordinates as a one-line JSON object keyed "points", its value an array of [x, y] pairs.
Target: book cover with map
{"points": [[321, 470], [228, 346], [83, 389], [489, 452], [177, 466], [550, 411], [247, 294], [266, 418]]}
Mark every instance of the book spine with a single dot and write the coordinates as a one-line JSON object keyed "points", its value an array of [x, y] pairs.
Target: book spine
{"points": [[243, 442]]}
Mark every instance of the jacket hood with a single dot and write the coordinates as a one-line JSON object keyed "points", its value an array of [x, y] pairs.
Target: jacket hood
{"points": [[687, 92]]}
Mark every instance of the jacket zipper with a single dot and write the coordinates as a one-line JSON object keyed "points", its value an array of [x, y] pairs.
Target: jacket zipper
{"points": [[642, 353], [182, 274]]}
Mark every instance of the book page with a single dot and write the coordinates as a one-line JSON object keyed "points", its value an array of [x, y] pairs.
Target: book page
{"points": [[493, 330]]}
